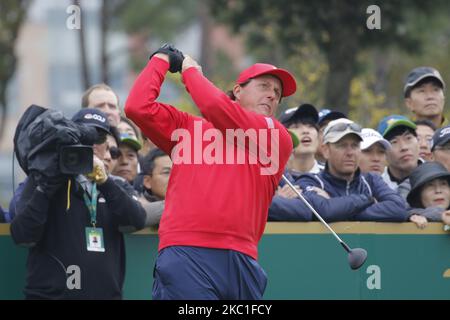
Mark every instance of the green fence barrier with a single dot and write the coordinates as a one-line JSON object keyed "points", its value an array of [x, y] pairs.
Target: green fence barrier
{"points": [[302, 261]]}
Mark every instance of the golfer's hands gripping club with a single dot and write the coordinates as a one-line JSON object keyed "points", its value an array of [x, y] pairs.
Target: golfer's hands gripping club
{"points": [[188, 62], [172, 55]]}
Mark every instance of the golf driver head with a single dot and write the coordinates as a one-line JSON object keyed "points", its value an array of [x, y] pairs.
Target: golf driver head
{"points": [[357, 257]]}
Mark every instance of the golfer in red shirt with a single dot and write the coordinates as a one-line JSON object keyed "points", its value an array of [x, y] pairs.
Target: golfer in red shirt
{"points": [[226, 168]]}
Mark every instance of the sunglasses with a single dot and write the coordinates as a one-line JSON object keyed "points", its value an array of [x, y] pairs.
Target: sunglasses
{"points": [[340, 127], [114, 152]]}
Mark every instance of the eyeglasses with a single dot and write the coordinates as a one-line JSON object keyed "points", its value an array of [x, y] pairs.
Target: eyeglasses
{"points": [[114, 152], [340, 127]]}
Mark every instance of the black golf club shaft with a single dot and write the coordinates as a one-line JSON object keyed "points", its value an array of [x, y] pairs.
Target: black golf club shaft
{"points": [[344, 245]]}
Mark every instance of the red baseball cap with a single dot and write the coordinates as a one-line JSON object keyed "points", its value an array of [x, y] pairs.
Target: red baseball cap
{"points": [[259, 69]]}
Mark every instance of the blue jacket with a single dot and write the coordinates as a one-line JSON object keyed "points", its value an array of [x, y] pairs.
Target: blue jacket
{"points": [[356, 203], [15, 199], [284, 209], [366, 198]]}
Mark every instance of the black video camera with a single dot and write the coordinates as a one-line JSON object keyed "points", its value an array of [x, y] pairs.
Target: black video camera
{"points": [[76, 159], [47, 143]]}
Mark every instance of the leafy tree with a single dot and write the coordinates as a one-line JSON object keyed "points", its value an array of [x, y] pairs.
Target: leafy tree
{"points": [[338, 29], [154, 21], [12, 15]]}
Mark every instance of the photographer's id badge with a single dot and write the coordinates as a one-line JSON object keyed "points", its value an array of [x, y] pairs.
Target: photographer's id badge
{"points": [[94, 239]]}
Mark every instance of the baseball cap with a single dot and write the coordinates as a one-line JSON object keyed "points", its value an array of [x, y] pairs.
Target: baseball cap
{"points": [[304, 111], [370, 137], [259, 69], [339, 128], [440, 137], [92, 117], [328, 115], [130, 141], [420, 73], [390, 122]]}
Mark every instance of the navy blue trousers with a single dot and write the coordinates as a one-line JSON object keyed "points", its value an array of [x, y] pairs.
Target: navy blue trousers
{"points": [[195, 273]]}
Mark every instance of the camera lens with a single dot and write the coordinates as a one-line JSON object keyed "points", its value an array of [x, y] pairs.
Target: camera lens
{"points": [[76, 159], [71, 159]]}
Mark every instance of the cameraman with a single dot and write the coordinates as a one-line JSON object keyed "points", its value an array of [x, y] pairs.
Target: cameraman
{"points": [[76, 248]]}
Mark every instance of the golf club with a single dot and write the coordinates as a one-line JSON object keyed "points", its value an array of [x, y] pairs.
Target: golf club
{"points": [[357, 256]]}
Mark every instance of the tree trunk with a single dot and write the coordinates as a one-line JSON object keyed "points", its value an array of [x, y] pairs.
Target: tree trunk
{"points": [[206, 54], [104, 34], [3, 113], [5, 75], [12, 15], [86, 83], [341, 55]]}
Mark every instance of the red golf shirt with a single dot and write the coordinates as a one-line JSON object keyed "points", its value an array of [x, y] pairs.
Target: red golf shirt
{"points": [[215, 198]]}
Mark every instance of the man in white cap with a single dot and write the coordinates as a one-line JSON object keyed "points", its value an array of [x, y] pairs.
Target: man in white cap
{"points": [[352, 195], [373, 152]]}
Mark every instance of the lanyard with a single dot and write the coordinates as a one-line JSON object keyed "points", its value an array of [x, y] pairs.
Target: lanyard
{"points": [[92, 204]]}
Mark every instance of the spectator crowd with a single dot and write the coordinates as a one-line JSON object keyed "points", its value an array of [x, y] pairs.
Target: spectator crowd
{"points": [[396, 172]]}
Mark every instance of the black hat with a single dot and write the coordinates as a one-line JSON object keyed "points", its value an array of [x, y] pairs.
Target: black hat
{"points": [[420, 73], [304, 111], [92, 117], [329, 115], [440, 137], [424, 173]]}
